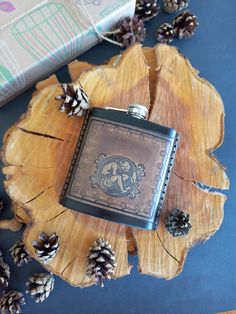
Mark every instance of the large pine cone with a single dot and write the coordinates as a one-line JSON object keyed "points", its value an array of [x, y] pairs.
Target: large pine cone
{"points": [[19, 254], [39, 286], [172, 6], [75, 100], [178, 223], [11, 302], [101, 261], [185, 25], [47, 247], [4, 273], [146, 9], [129, 31]]}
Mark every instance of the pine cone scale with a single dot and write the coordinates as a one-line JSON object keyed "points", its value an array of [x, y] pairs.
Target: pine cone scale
{"points": [[178, 223], [4, 272], [11, 302], [172, 6], [185, 25], [47, 247], [146, 9], [165, 33], [39, 286], [75, 100], [19, 254], [101, 261], [1, 206], [129, 31]]}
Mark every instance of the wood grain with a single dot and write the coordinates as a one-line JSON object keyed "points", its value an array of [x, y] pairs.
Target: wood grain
{"points": [[192, 106], [38, 149]]}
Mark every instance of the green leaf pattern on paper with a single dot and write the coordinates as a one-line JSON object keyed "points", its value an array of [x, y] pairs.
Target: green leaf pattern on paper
{"points": [[11, 77], [50, 34], [5, 75]]}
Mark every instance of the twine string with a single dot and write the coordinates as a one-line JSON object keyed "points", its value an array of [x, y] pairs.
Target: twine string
{"points": [[85, 11], [82, 7]]}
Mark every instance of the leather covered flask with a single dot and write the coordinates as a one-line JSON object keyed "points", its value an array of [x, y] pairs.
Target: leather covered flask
{"points": [[121, 167]]}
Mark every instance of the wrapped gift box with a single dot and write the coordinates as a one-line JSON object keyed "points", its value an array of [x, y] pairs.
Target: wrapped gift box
{"points": [[37, 37]]}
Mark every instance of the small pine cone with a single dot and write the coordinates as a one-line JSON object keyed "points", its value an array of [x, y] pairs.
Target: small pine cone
{"points": [[39, 285], [1, 206], [177, 223], [47, 247], [165, 33], [101, 261], [11, 302], [146, 9], [185, 25], [75, 100], [172, 6], [129, 31], [19, 254], [4, 273]]}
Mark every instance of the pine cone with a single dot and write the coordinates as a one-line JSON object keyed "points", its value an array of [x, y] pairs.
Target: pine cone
{"points": [[172, 6], [101, 261], [129, 31], [39, 286], [75, 100], [177, 223], [47, 247], [19, 254], [165, 33], [11, 302], [146, 9], [4, 273], [1, 205], [185, 25]]}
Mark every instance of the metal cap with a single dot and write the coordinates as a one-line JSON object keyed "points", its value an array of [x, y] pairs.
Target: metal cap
{"points": [[138, 111]]}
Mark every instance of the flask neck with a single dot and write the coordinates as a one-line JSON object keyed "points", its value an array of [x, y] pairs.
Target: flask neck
{"points": [[137, 111]]}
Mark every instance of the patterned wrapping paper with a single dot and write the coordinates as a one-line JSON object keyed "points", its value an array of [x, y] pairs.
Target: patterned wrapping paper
{"points": [[39, 36]]}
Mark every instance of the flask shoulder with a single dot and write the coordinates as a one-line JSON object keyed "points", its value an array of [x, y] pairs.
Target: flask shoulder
{"points": [[123, 117]]}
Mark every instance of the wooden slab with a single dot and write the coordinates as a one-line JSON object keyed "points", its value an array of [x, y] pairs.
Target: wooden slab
{"points": [[38, 149]]}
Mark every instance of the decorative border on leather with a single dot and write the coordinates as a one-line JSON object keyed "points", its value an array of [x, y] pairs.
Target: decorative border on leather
{"points": [[171, 163], [78, 145]]}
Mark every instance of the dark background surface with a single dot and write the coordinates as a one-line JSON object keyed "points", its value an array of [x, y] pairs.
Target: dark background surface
{"points": [[207, 283]]}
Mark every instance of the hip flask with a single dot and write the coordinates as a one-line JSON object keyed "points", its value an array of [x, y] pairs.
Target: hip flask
{"points": [[121, 167]]}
